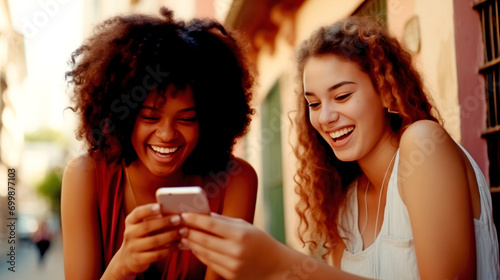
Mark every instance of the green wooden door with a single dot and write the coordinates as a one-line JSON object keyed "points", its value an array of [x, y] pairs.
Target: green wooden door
{"points": [[272, 168]]}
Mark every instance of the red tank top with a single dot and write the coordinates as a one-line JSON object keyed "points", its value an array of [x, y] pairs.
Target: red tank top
{"points": [[111, 180]]}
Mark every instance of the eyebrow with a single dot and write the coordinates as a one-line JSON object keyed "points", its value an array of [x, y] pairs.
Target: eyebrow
{"points": [[334, 87], [156, 109]]}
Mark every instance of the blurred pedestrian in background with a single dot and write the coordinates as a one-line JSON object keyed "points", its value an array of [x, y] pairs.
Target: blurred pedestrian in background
{"points": [[41, 238]]}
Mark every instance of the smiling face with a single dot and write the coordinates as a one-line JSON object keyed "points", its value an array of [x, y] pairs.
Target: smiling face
{"points": [[344, 107], [166, 131]]}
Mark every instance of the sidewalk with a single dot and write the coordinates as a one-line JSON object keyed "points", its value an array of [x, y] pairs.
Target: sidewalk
{"points": [[27, 266]]}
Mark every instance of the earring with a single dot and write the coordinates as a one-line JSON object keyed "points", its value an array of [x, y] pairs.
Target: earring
{"points": [[392, 112]]}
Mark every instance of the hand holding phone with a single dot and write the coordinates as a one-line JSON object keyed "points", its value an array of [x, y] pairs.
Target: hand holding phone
{"points": [[175, 200]]}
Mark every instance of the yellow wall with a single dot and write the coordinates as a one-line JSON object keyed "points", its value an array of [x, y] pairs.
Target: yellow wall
{"points": [[437, 59]]}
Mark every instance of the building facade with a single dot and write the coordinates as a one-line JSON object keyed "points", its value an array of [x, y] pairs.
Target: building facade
{"points": [[12, 73], [446, 41]]}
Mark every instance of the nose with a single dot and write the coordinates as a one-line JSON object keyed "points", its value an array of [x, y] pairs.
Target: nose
{"points": [[328, 114], [166, 131]]}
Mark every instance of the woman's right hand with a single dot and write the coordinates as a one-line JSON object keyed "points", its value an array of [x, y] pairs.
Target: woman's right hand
{"points": [[148, 237], [233, 248]]}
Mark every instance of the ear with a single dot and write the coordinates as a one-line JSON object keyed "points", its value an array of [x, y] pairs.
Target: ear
{"points": [[386, 99]]}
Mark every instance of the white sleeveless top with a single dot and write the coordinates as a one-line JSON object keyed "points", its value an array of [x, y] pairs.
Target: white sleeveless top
{"points": [[392, 255]]}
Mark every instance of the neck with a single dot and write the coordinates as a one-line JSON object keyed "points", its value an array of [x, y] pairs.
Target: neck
{"points": [[142, 179], [375, 165]]}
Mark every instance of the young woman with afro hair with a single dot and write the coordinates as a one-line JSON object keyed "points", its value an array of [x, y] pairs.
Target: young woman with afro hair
{"points": [[161, 103]]}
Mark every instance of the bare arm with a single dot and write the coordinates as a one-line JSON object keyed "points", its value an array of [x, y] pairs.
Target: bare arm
{"points": [[234, 249], [434, 186], [435, 192], [240, 196], [237, 250], [81, 235], [335, 258]]}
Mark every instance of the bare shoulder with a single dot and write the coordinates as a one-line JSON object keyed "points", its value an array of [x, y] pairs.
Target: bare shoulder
{"points": [[79, 172], [82, 163], [427, 138], [241, 176], [236, 171], [425, 130], [241, 168], [241, 189], [428, 151]]}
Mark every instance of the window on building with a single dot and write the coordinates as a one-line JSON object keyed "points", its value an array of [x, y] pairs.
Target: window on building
{"points": [[489, 11], [373, 8]]}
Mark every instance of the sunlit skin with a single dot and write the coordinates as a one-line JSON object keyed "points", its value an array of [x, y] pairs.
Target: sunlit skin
{"points": [[165, 133], [350, 115], [139, 87], [342, 102], [170, 126], [440, 192]]}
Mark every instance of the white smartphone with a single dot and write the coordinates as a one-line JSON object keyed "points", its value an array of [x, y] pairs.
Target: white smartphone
{"points": [[175, 200]]}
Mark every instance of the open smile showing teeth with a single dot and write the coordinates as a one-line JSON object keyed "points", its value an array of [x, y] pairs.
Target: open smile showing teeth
{"points": [[163, 151], [341, 133]]}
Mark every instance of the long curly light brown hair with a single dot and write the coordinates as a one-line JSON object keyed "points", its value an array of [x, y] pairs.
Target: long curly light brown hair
{"points": [[322, 179], [129, 57]]}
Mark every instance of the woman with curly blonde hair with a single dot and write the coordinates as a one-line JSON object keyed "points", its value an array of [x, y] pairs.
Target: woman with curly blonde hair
{"points": [[383, 187]]}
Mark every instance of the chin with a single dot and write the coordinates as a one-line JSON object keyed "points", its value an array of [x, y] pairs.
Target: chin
{"points": [[165, 173], [344, 156]]}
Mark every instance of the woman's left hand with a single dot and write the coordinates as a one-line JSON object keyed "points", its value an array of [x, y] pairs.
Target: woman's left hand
{"points": [[233, 248]]}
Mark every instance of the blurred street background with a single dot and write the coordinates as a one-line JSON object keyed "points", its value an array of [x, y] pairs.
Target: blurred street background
{"points": [[28, 265], [455, 44]]}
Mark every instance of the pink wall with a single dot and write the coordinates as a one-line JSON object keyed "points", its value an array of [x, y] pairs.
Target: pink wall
{"points": [[204, 9], [471, 92]]}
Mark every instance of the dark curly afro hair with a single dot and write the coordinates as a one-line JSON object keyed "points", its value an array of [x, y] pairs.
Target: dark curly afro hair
{"points": [[129, 57]]}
